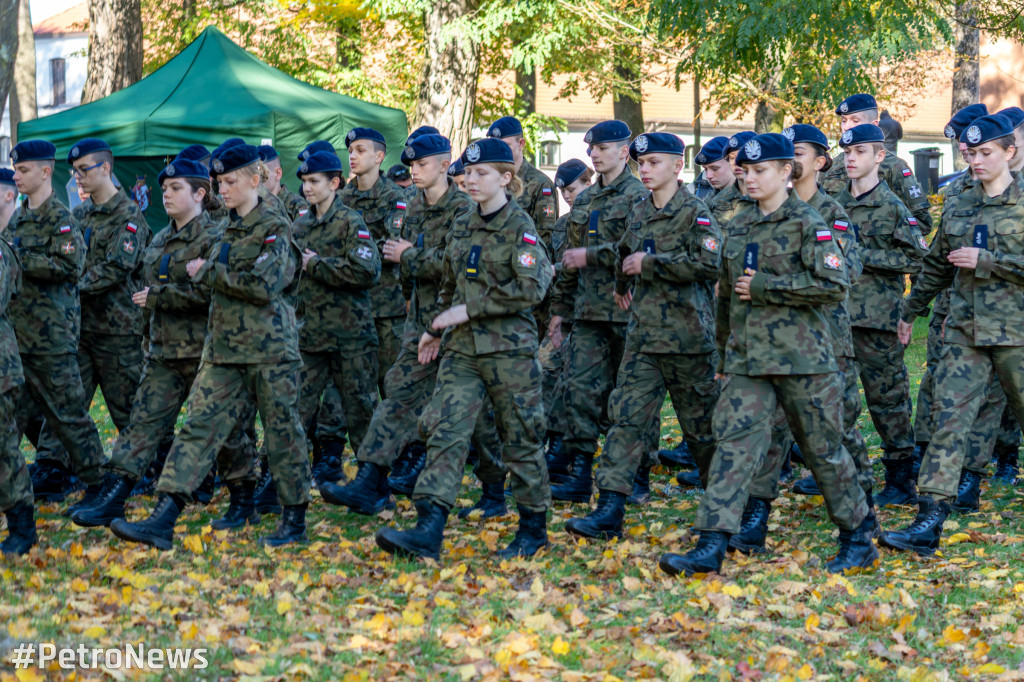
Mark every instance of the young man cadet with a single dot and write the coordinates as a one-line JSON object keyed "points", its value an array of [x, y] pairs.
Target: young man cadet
{"points": [[597, 222], [538, 198], [46, 316], [890, 246], [293, 203]]}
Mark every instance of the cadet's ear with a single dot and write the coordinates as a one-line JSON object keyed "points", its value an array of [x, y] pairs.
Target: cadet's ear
{"points": [[679, 165]]}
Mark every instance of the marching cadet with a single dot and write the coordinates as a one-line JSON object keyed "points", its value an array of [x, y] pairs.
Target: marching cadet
{"points": [[399, 175], [890, 246], [293, 203], [861, 109], [732, 198], [46, 317], [496, 270], [780, 266], [251, 353], [667, 263], [980, 252], [457, 173], [598, 219], [538, 197]]}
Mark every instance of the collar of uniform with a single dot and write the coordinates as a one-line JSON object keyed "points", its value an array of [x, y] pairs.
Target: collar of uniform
{"points": [[617, 183], [190, 231], [877, 196], [250, 219], [441, 203], [675, 204], [497, 222], [730, 193], [41, 208], [111, 204], [791, 203], [1011, 195], [331, 210]]}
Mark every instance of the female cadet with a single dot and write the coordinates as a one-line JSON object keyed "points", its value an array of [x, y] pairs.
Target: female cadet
{"points": [[251, 353], [979, 250], [780, 266], [495, 271]]}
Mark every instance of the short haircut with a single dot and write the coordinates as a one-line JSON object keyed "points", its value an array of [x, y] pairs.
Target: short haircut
{"points": [[103, 156], [872, 114], [378, 147]]}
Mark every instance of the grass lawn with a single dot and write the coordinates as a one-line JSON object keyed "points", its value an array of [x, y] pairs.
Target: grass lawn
{"points": [[338, 608]]}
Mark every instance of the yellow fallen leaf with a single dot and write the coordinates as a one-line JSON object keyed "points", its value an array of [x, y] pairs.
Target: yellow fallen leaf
{"points": [[467, 671], [245, 667], [812, 623], [951, 635], [559, 647], [193, 543], [412, 617], [733, 590], [94, 632], [805, 672], [79, 585], [631, 584], [284, 606], [990, 668], [539, 622], [30, 674], [957, 537]]}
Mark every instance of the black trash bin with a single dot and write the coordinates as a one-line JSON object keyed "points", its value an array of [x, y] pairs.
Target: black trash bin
{"points": [[926, 168]]}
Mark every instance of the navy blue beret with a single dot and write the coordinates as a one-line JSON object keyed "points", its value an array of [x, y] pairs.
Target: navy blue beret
{"points": [[320, 162], [7, 177], [267, 153], [423, 146], [33, 150], [713, 150], [855, 103], [195, 152], [1015, 114], [398, 172], [456, 169], [963, 118], [802, 132], [183, 168], [233, 158], [569, 172], [487, 150], [767, 147], [506, 126], [608, 131], [226, 145], [314, 147], [862, 134], [986, 129], [365, 134], [656, 143], [89, 145], [422, 130], [740, 139]]}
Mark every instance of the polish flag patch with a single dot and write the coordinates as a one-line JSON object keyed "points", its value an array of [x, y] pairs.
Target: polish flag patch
{"points": [[401, 205], [271, 239], [64, 229], [529, 238], [132, 228], [546, 191], [363, 234], [912, 221], [704, 221], [824, 235], [841, 225], [907, 172], [303, 212]]}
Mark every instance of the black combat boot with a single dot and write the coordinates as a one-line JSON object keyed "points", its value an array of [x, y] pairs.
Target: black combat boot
{"points": [[605, 522], [796, 456], [679, 457], [641, 493], [109, 505], [424, 541], [156, 531], [265, 496], [531, 536], [404, 482], [753, 527], [290, 529], [578, 487], [49, 480], [706, 557], [21, 530], [491, 502], [786, 473], [364, 494], [968, 493], [923, 533], [919, 450], [689, 479], [204, 493], [327, 462], [806, 486], [856, 550], [559, 461], [1006, 465], [900, 484], [89, 499], [241, 508]]}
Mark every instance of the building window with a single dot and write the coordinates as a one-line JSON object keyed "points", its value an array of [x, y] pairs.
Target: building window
{"points": [[550, 151], [57, 79]]}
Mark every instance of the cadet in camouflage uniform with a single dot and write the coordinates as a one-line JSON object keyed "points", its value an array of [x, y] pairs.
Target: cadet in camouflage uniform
{"points": [[251, 352], [596, 223], [780, 266], [294, 204], [667, 263], [46, 312], [980, 252], [496, 269]]}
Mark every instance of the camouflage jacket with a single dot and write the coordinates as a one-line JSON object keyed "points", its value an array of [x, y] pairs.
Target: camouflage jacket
{"points": [[179, 307], [116, 234], [10, 282], [294, 204], [953, 190], [539, 201], [383, 209], [897, 175], [597, 221], [558, 244], [334, 292], [838, 314], [890, 246], [248, 271], [799, 268], [726, 204], [427, 227], [985, 304], [500, 270], [673, 298], [51, 248]]}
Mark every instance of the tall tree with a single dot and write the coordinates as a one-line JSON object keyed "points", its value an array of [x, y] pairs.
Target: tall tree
{"points": [[966, 65], [115, 47], [627, 100], [23, 91], [8, 47]]}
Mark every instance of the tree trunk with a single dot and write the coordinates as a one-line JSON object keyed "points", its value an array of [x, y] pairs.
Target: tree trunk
{"points": [[966, 68], [23, 91], [451, 69], [526, 91], [8, 47], [763, 117], [115, 47], [627, 103]]}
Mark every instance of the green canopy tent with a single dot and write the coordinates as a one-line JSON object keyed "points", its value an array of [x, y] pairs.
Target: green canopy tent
{"points": [[210, 91]]}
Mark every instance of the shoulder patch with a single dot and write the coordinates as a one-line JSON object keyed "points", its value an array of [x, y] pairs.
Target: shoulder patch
{"points": [[529, 238], [913, 221], [907, 172], [363, 234], [303, 212], [833, 262], [527, 260], [132, 228], [710, 244], [63, 229], [703, 221], [923, 243], [546, 191], [824, 235], [271, 239], [400, 205], [841, 225]]}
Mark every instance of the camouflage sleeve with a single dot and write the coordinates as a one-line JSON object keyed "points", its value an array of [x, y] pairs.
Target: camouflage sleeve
{"points": [[823, 279], [937, 273], [723, 325], [263, 278], [1007, 266], [446, 292], [527, 288], [62, 261], [624, 248], [427, 261], [697, 260], [834, 214], [546, 212], [122, 258], [904, 256], [566, 284], [913, 197], [358, 268]]}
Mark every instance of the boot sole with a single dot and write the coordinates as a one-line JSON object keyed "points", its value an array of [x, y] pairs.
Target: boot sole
{"points": [[673, 571], [468, 512], [401, 550], [600, 535], [268, 542], [900, 503], [747, 549], [93, 523], [636, 501], [965, 509], [125, 533], [357, 508], [868, 564], [249, 521], [508, 556], [920, 551]]}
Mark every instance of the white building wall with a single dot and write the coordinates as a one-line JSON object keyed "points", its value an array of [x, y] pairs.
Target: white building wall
{"points": [[73, 49]]}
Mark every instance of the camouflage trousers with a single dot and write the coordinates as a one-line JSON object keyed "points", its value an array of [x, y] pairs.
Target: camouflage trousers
{"points": [[389, 331], [883, 374], [962, 381], [331, 422], [554, 363], [353, 374], [164, 387], [15, 484], [635, 409], [54, 387], [743, 423], [595, 352], [464, 383], [219, 399], [923, 417]]}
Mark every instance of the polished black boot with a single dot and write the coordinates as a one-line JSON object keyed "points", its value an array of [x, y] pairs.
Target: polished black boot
{"points": [[21, 530], [923, 533], [241, 508], [900, 484], [404, 482], [1007, 468], [89, 499], [490, 504], [559, 461], [363, 494], [156, 531], [291, 528], [578, 487], [689, 479], [605, 522], [968, 493], [856, 550], [204, 493], [641, 493], [706, 557], [806, 486], [265, 496], [753, 527], [679, 457], [49, 481], [423, 541], [109, 504], [327, 463], [919, 450], [531, 536]]}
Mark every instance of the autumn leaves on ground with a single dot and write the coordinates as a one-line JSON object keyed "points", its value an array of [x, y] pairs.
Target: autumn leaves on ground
{"points": [[339, 608]]}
